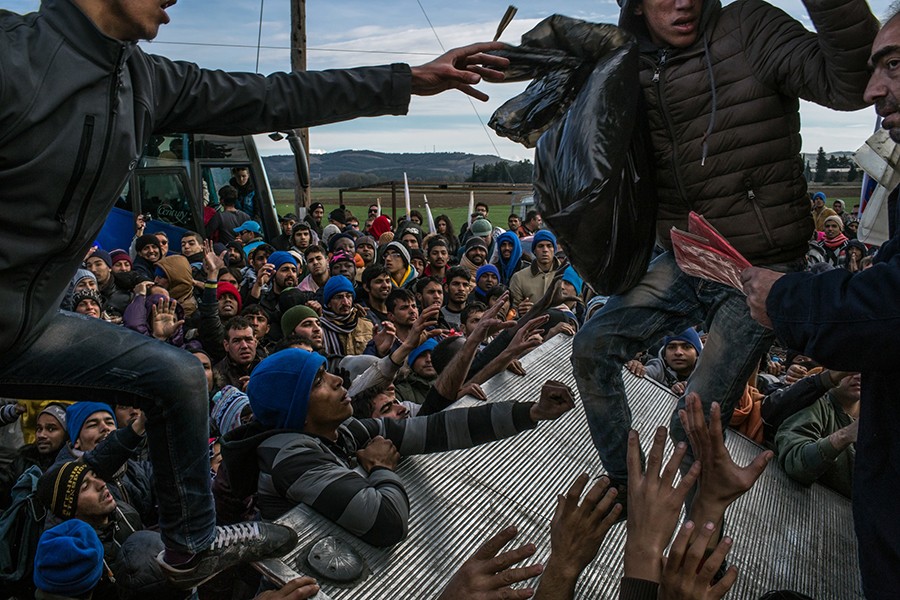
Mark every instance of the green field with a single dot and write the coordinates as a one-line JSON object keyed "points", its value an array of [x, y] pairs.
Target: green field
{"points": [[454, 206]]}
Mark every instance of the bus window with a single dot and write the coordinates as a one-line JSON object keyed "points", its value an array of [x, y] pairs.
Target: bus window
{"points": [[164, 197], [241, 178]]}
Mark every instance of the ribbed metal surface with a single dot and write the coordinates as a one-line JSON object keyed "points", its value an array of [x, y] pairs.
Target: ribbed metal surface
{"points": [[786, 536]]}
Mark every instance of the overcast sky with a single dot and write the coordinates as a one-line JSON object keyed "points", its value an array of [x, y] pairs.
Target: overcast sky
{"points": [[343, 33]]}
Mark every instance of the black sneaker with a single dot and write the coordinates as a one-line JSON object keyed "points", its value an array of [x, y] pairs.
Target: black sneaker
{"points": [[234, 544]]}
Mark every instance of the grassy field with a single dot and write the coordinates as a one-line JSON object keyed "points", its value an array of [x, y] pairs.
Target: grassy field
{"points": [[454, 206]]}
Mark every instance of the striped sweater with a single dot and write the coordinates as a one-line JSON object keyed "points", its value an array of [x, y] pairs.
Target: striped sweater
{"points": [[323, 474]]}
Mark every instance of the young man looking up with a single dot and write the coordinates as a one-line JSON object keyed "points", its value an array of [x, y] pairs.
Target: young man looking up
{"points": [[456, 292]]}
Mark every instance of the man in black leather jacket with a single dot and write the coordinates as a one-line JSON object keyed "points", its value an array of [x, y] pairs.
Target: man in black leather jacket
{"points": [[78, 102]]}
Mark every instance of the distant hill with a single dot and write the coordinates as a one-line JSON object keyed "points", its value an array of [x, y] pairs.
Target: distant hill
{"points": [[348, 168]]}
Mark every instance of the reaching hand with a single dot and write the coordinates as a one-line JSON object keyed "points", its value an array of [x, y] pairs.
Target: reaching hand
{"points": [[211, 262], [380, 452], [301, 588], [722, 480], [384, 337], [577, 531], [757, 285], [474, 390], [528, 337], [490, 323], [688, 572], [636, 367], [427, 318], [516, 368], [794, 374], [164, 322], [460, 68], [653, 504], [489, 576], [556, 400], [264, 274]]}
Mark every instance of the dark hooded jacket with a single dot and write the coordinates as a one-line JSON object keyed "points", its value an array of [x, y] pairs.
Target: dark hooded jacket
{"points": [[78, 107], [724, 115]]}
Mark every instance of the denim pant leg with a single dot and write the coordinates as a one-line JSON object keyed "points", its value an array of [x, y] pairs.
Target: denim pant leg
{"points": [[662, 303], [734, 345], [81, 358]]}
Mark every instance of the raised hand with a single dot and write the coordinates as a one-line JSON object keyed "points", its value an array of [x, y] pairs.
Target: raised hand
{"points": [[164, 322], [578, 530], [487, 575], [384, 337], [211, 262], [490, 323], [460, 69], [688, 572], [722, 481], [654, 505]]}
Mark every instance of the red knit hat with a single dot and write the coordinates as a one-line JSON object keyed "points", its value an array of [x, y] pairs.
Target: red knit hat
{"points": [[226, 287]]}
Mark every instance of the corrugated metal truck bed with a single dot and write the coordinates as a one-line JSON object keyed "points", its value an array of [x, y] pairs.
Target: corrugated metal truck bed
{"points": [[786, 536]]}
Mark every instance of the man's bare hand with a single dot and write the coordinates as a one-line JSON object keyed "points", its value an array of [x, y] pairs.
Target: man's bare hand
{"points": [[636, 367], [577, 531], [474, 390], [164, 322], [384, 337], [460, 69], [654, 505], [301, 588], [488, 575], [556, 400], [380, 452], [757, 284], [688, 572], [490, 322], [516, 368], [528, 337], [722, 480], [211, 262], [427, 318]]}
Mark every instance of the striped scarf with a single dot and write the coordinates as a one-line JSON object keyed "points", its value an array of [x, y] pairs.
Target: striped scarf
{"points": [[333, 326]]}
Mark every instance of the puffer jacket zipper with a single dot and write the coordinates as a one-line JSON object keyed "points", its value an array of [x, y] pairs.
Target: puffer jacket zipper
{"points": [[751, 196], [658, 76], [112, 109], [84, 150]]}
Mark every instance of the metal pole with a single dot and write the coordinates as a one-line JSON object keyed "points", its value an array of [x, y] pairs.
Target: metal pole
{"points": [[298, 63]]}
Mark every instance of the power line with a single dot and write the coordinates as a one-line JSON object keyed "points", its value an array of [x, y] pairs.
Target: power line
{"points": [[487, 132]]}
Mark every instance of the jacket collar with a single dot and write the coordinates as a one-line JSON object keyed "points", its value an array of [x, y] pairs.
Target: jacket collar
{"points": [[81, 33]]}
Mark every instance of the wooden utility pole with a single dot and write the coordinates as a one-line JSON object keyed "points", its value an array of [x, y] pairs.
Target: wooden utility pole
{"points": [[298, 63]]}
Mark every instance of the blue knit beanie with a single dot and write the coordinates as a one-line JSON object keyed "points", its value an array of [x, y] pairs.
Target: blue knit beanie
{"points": [[280, 386], [78, 413], [426, 346], [486, 269], [69, 559], [276, 259], [572, 277], [103, 254], [335, 285], [543, 235], [688, 335]]}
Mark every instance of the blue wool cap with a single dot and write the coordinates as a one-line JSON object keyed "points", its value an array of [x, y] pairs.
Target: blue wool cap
{"points": [[486, 269], [69, 559], [79, 412], [280, 386], [688, 335], [543, 235], [335, 285], [820, 196], [572, 277], [276, 259], [102, 254], [426, 346]]}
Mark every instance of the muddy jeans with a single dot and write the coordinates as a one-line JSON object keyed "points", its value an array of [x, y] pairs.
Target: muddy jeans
{"points": [[665, 302], [82, 358]]}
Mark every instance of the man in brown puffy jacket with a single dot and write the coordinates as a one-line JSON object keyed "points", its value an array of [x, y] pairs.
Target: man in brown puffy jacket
{"points": [[721, 91]]}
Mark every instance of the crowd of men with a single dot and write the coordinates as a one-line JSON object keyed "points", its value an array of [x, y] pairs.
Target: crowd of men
{"points": [[385, 311]]}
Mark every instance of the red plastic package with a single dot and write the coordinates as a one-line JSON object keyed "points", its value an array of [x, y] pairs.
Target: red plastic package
{"points": [[703, 252]]}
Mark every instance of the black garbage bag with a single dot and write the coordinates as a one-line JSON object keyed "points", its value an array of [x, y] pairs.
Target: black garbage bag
{"points": [[593, 168]]}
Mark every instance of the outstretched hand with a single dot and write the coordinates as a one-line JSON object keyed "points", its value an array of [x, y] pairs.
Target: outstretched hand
{"points": [[757, 284], [460, 69], [722, 480], [654, 505], [688, 573], [487, 575], [163, 319], [295, 589]]}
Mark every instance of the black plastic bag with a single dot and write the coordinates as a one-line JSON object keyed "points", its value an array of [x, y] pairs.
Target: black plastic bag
{"points": [[593, 171]]}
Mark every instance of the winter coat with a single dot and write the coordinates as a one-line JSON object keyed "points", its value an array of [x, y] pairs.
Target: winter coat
{"points": [[69, 147], [724, 118]]}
